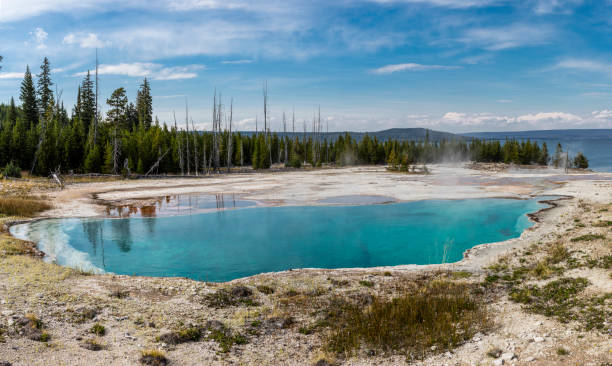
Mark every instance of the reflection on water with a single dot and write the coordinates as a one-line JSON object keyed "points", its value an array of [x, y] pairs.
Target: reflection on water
{"points": [[228, 244], [357, 199], [179, 205]]}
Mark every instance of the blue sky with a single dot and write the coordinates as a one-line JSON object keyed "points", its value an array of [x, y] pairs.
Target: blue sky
{"points": [[455, 65]]}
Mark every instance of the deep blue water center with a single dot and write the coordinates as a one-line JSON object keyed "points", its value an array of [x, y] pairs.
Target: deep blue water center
{"points": [[228, 244]]}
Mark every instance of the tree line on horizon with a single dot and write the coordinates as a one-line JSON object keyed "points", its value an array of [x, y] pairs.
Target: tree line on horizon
{"points": [[41, 136]]}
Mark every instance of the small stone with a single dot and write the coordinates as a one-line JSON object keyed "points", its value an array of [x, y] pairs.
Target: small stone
{"points": [[7, 312], [530, 359], [508, 356], [498, 362], [538, 339]]}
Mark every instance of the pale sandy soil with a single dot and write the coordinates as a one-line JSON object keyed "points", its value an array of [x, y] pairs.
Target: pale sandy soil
{"points": [[154, 306], [307, 187]]}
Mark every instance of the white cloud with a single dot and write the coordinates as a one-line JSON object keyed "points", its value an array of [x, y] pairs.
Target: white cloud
{"points": [[11, 75], [513, 36], [605, 114], [443, 3], [389, 69], [596, 94], [504, 101], [14, 10], [455, 121], [39, 36], [583, 65], [555, 6], [549, 116], [84, 40], [184, 5], [151, 70], [237, 62]]}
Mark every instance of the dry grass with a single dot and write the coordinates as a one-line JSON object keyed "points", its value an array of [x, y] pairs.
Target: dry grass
{"points": [[438, 314], [153, 357], [27, 206]]}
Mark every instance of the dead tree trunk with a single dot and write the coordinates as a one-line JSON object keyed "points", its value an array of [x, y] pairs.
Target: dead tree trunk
{"points": [[187, 137], [229, 138], [178, 141], [285, 139], [195, 148], [204, 162], [156, 165]]}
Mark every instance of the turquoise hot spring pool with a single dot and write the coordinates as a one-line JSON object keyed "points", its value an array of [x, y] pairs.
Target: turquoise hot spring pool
{"points": [[225, 244]]}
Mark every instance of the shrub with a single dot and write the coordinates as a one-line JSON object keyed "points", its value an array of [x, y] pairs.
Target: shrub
{"points": [[92, 345], [11, 170], [558, 253], [44, 337], [237, 295], [191, 334], [562, 351], [265, 289], [98, 329]]}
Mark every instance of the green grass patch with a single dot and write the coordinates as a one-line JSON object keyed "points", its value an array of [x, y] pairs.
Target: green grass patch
{"points": [[561, 299], [460, 274], [225, 338], [588, 237], [366, 283]]}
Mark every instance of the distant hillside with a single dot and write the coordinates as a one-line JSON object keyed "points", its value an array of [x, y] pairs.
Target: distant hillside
{"points": [[401, 134], [577, 134]]}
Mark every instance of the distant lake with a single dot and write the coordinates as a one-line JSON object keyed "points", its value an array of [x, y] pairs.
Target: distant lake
{"points": [[596, 145], [229, 244]]}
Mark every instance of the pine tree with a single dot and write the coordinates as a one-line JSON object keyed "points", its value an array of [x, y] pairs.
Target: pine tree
{"points": [[28, 100], [109, 160], [76, 111], [117, 116], [93, 159], [144, 104], [131, 117], [45, 94], [88, 102], [543, 160], [580, 161], [6, 133]]}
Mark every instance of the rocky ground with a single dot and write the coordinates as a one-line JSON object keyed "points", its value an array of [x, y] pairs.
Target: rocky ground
{"points": [[542, 299]]}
